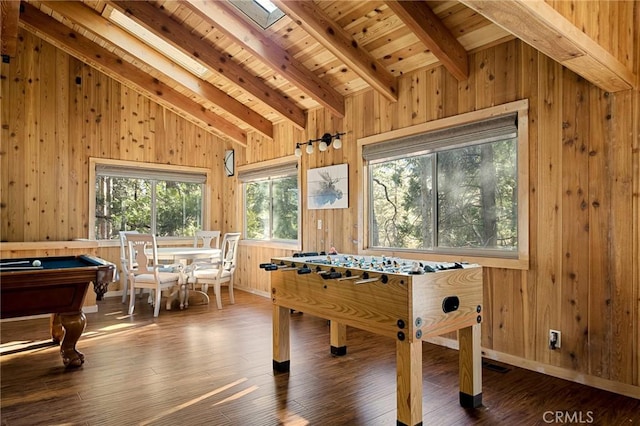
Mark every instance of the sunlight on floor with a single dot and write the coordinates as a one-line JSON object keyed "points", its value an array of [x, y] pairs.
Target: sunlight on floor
{"points": [[116, 330], [291, 419], [116, 327], [34, 397], [115, 313], [23, 346], [237, 395], [191, 402]]}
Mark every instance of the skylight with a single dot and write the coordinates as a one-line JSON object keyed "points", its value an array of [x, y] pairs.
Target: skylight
{"points": [[267, 5], [262, 12], [157, 43]]}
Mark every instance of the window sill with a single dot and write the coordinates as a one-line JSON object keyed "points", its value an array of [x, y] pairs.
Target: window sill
{"points": [[491, 262], [272, 244]]}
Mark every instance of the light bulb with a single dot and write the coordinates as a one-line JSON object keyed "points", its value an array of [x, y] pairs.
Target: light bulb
{"points": [[298, 151], [322, 146], [310, 148], [337, 143]]}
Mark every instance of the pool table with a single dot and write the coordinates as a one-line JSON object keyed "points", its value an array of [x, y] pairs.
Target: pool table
{"points": [[53, 285]]}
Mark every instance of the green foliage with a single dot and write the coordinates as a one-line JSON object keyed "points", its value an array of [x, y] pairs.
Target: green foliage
{"points": [[257, 210], [272, 209], [179, 208], [125, 204], [285, 208], [473, 193]]}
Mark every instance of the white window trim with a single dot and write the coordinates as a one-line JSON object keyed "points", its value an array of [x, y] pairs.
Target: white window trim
{"points": [[94, 162], [520, 107]]}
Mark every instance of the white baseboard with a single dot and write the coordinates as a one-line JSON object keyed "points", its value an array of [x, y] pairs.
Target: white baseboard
{"points": [[253, 291]]}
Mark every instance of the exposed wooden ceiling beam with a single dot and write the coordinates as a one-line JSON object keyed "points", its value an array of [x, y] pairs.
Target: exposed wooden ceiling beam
{"points": [[168, 72], [100, 58], [180, 37], [419, 18], [9, 14], [260, 46], [336, 40], [538, 24]]}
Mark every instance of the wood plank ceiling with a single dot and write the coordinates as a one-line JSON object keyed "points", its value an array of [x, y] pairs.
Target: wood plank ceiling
{"points": [[315, 55]]}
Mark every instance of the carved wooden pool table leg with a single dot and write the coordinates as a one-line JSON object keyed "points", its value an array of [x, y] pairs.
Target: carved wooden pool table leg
{"points": [[67, 329]]}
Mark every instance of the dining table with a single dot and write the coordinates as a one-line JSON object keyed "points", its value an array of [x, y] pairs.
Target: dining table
{"points": [[178, 254], [184, 255]]}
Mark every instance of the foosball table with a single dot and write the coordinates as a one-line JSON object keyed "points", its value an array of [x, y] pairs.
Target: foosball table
{"points": [[406, 300]]}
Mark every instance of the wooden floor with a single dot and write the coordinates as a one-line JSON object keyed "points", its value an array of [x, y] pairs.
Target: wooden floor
{"points": [[208, 367]]}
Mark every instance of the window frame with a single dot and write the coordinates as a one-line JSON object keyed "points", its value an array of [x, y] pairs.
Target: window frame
{"points": [[493, 259], [94, 163], [262, 171]]}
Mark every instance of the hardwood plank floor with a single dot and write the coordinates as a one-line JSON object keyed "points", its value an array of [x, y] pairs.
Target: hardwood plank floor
{"points": [[202, 366]]}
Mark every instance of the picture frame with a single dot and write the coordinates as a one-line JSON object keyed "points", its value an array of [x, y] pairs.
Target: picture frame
{"points": [[328, 187]]}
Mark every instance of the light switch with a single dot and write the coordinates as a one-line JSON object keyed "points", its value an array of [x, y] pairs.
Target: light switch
{"points": [[319, 223]]}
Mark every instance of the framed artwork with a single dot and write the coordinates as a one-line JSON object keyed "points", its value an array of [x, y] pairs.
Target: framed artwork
{"points": [[328, 187]]}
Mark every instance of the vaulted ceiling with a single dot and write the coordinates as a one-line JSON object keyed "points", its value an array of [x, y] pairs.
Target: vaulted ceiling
{"points": [[315, 55]]}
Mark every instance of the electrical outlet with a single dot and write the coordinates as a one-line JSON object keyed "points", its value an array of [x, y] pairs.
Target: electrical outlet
{"points": [[555, 339]]}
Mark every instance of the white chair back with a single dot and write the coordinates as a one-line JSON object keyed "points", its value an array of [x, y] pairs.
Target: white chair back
{"points": [[144, 272], [230, 250], [208, 238], [124, 262], [139, 261], [220, 272]]}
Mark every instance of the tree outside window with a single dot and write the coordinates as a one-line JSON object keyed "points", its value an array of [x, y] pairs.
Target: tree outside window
{"points": [[165, 208], [446, 199], [272, 208]]}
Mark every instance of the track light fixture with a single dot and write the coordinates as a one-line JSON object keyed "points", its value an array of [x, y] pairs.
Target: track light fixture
{"points": [[324, 142]]}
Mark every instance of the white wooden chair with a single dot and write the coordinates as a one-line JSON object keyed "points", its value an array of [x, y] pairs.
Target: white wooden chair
{"points": [[222, 272], [124, 262], [208, 238], [145, 272]]}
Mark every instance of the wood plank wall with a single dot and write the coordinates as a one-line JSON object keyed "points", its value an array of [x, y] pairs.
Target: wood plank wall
{"points": [[584, 149], [596, 19], [57, 113], [583, 276]]}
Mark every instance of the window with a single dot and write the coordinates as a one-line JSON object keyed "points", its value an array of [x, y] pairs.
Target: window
{"points": [[163, 201], [262, 12], [450, 190], [271, 200]]}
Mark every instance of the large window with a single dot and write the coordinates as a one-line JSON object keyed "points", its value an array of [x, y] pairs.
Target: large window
{"points": [[271, 201], [451, 190], [165, 202]]}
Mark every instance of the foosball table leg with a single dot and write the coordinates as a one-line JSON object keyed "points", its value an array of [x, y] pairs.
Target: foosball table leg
{"points": [[338, 338], [281, 355], [409, 382], [470, 366]]}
